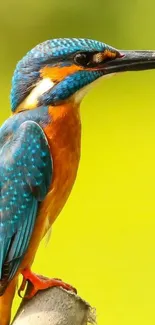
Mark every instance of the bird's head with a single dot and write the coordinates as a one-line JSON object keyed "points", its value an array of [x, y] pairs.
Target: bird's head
{"points": [[60, 69]]}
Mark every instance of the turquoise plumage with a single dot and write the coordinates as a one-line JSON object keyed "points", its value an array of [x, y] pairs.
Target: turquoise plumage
{"points": [[25, 176]]}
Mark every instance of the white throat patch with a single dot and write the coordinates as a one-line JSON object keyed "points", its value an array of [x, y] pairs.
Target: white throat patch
{"points": [[79, 95]]}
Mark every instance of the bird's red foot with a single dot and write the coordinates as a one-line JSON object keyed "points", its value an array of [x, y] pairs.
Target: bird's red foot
{"points": [[40, 282]]}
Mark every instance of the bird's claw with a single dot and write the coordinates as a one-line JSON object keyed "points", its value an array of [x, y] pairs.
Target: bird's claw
{"points": [[40, 282]]}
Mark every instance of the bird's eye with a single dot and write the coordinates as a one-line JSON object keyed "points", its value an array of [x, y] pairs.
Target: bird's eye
{"points": [[82, 59]]}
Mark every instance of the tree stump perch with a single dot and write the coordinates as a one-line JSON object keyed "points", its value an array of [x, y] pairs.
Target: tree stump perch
{"points": [[54, 306]]}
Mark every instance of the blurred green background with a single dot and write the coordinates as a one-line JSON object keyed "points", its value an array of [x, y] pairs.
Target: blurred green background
{"points": [[104, 240]]}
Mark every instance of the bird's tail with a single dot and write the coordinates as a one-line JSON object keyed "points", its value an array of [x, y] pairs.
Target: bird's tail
{"points": [[6, 302]]}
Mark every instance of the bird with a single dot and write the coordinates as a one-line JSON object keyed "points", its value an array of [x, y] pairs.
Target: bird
{"points": [[40, 148]]}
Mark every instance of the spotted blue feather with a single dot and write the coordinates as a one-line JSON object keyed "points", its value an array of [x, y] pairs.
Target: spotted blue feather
{"points": [[25, 177]]}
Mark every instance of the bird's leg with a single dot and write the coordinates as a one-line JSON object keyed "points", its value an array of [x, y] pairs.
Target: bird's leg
{"points": [[22, 287], [40, 282]]}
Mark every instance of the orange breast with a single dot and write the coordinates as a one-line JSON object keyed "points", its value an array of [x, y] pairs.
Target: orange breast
{"points": [[63, 134], [64, 137]]}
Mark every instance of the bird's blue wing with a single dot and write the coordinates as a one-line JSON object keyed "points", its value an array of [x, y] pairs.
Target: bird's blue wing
{"points": [[25, 177]]}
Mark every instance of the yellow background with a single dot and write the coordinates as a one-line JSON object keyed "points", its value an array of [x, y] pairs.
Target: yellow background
{"points": [[104, 240]]}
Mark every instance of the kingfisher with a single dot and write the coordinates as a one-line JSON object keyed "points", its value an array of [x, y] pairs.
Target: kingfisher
{"points": [[40, 148]]}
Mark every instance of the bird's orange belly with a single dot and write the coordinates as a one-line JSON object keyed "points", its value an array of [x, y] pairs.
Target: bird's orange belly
{"points": [[65, 152]]}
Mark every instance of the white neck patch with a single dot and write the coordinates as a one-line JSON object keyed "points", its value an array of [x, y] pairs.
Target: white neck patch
{"points": [[41, 87]]}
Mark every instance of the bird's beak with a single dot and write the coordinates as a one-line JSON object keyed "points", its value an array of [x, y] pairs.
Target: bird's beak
{"points": [[131, 61]]}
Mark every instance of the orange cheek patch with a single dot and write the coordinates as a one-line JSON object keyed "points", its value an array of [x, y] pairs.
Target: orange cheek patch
{"points": [[59, 73]]}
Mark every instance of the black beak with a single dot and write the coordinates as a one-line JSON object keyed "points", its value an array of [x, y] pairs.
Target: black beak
{"points": [[131, 61]]}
